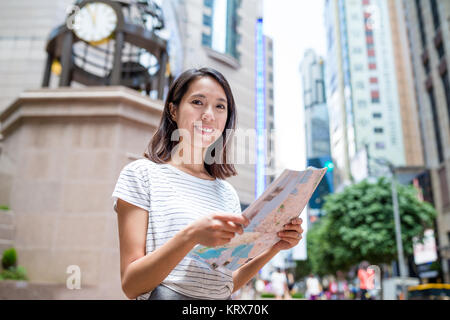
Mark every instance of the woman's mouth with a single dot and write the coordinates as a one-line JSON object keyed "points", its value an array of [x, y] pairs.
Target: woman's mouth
{"points": [[204, 130]]}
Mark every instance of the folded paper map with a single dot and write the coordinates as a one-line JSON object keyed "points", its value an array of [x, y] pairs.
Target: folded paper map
{"points": [[283, 200]]}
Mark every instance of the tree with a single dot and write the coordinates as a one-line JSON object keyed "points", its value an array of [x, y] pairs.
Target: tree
{"points": [[359, 225]]}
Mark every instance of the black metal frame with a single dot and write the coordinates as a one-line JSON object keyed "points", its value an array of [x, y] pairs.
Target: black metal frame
{"points": [[62, 39]]}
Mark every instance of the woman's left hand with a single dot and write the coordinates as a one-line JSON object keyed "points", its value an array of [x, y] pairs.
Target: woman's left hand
{"points": [[290, 235]]}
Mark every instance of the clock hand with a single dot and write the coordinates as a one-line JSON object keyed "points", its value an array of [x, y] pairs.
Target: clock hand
{"points": [[90, 13]]}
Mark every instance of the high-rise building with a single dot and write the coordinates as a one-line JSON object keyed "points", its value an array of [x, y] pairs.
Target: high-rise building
{"points": [[270, 116], [316, 127], [334, 85], [368, 92], [428, 26]]}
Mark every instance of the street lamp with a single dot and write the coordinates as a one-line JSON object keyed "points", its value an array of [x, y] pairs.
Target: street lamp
{"points": [[398, 231]]}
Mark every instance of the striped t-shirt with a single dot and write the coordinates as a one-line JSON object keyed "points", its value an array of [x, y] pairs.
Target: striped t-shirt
{"points": [[174, 199]]}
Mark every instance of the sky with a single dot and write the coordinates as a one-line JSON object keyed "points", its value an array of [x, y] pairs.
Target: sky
{"points": [[294, 26]]}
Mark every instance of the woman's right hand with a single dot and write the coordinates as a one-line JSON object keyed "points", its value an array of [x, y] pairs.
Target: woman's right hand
{"points": [[217, 229]]}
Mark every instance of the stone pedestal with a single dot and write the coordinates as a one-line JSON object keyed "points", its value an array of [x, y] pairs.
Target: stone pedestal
{"points": [[61, 154]]}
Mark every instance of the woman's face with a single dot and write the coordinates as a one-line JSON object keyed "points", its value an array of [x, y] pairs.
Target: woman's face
{"points": [[202, 113]]}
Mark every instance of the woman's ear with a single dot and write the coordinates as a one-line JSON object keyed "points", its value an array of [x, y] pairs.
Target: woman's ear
{"points": [[172, 111]]}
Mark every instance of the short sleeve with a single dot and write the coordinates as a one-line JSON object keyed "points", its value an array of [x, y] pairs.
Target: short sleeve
{"points": [[133, 185], [236, 206]]}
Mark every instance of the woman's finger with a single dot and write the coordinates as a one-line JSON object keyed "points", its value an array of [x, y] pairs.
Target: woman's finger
{"points": [[233, 227], [226, 235], [293, 227], [296, 220], [289, 234]]}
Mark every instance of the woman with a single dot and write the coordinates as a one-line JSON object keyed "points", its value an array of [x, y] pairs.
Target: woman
{"points": [[170, 201]]}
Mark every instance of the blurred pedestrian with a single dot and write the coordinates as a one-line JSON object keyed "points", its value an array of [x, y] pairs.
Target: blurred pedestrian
{"points": [[343, 292], [313, 287], [290, 281], [333, 288], [279, 285], [365, 276], [259, 285]]}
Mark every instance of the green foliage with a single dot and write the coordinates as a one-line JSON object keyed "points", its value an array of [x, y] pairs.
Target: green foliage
{"points": [[10, 269], [359, 225], [298, 295], [9, 258], [14, 273], [302, 269], [267, 295], [3, 207]]}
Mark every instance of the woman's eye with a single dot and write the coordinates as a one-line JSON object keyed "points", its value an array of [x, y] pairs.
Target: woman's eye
{"points": [[196, 102], [221, 106]]}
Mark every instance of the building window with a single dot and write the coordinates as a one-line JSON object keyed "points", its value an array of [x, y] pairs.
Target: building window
{"points": [[421, 24], [373, 80], [380, 146], [223, 22], [378, 130], [207, 20], [446, 84], [372, 66], [426, 65], [437, 129], [376, 115], [375, 96], [441, 50], [435, 12], [444, 187]]}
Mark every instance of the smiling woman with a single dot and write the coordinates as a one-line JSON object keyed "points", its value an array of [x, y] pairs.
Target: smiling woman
{"points": [[165, 209]]}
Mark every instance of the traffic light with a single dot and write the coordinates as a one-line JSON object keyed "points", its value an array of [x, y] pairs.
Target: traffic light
{"points": [[329, 165]]}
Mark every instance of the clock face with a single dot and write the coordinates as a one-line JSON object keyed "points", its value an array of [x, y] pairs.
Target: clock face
{"points": [[95, 22]]}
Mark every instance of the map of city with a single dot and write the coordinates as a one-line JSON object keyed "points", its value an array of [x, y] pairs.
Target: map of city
{"points": [[283, 200]]}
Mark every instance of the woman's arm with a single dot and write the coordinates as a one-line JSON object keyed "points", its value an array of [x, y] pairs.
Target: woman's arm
{"points": [[245, 273], [142, 273]]}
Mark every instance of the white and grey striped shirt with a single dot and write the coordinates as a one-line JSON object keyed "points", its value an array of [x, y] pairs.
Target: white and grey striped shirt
{"points": [[174, 199]]}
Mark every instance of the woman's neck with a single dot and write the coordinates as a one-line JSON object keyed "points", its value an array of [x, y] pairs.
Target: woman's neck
{"points": [[191, 163]]}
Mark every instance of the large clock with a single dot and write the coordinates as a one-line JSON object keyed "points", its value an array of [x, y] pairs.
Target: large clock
{"points": [[95, 22], [136, 57]]}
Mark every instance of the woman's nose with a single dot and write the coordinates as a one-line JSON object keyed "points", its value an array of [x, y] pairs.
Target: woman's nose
{"points": [[208, 114]]}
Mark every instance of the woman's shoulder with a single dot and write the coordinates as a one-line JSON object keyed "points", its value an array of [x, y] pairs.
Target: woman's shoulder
{"points": [[229, 189], [143, 167], [228, 186]]}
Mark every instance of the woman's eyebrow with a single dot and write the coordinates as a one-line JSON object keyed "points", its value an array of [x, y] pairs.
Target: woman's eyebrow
{"points": [[199, 95]]}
